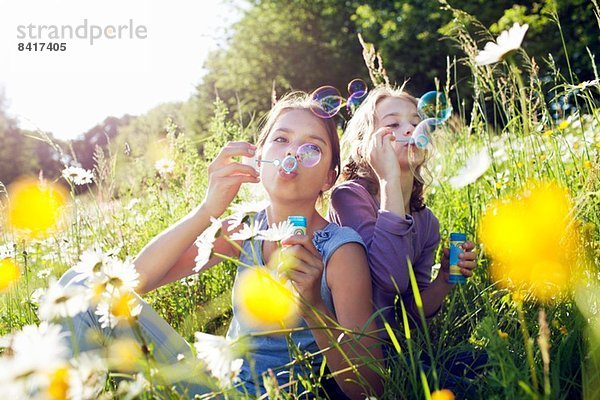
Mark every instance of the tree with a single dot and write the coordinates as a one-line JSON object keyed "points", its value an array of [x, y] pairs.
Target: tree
{"points": [[285, 45]]}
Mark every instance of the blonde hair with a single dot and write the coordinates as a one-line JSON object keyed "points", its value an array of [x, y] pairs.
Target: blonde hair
{"points": [[355, 138], [302, 101]]}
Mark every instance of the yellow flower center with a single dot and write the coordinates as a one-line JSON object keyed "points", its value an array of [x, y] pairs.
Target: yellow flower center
{"points": [[9, 274]]}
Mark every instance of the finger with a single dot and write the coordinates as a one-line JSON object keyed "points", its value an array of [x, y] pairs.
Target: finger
{"points": [[235, 169], [467, 256], [239, 179], [446, 252], [468, 246], [467, 264], [466, 272], [302, 255], [305, 241], [235, 149]]}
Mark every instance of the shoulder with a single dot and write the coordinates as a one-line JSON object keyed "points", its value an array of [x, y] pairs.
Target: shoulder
{"points": [[334, 237], [351, 186], [427, 223], [426, 215], [350, 194]]}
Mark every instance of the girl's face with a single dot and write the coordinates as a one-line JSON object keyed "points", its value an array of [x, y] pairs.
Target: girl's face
{"points": [[292, 129], [400, 115]]}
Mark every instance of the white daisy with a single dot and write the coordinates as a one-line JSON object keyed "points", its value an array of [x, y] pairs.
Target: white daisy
{"points": [[44, 273], [7, 250], [132, 389], [250, 207], [205, 243], [120, 275], [117, 306], [37, 348], [475, 167], [220, 358], [164, 166], [62, 302], [91, 262], [277, 232], [88, 376], [235, 220], [36, 295], [247, 232], [507, 41], [78, 176]]}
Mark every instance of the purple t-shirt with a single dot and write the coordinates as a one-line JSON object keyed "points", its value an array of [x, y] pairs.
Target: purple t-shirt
{"points": [[390, 240]]}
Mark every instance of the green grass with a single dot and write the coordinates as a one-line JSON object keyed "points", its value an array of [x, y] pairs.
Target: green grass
{"points": [[512, 117]]}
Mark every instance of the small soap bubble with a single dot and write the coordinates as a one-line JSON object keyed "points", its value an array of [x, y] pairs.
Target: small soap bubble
{"points": [[308, 155], [434, 105], [329, 99], [422, 136], [357, 86], [289, 164], [355, 100]]}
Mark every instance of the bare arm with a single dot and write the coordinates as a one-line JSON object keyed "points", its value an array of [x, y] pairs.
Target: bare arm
{"points": [[170, 255], [350, 283]]}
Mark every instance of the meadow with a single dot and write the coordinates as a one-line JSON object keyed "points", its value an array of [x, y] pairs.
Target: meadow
{"points": [[516, 168]]}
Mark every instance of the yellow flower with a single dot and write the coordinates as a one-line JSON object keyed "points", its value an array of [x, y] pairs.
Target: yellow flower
{"points": [[264, 300], [518, 296], [9, 274], [532, 240], [124, 355], [503, 335], [122, 306], [443, 394], [59, 383], [543, 157], [548, 133], [519, 164], [34, 207], [587, 164], [563, 124], [499, 185]]}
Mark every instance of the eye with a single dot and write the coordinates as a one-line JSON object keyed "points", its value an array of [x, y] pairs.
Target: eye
{"points": [[393, 125], [415, 121], [280, 139]]}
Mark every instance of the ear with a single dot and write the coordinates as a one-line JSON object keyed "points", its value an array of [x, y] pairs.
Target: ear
{"points": [[330, 181]]}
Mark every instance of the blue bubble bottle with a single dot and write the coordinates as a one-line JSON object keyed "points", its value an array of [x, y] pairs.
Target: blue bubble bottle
{"points": [[456, 240], [299, 223]]}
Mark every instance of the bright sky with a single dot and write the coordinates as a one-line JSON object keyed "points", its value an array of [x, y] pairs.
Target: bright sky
{"points": [[69, 92]]}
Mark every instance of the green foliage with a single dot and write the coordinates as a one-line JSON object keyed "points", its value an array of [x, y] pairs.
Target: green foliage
{"points": [[280, 45]]}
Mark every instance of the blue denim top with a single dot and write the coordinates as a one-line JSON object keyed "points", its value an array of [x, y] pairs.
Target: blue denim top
{"points": [[272, 351]]}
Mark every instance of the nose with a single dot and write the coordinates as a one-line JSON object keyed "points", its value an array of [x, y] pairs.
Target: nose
{"points": [[405, 129]]}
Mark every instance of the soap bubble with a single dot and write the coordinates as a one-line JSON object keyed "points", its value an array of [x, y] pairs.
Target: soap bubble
{"points": [[357, 86], [434, 105], [308, 155], [329, 99]]}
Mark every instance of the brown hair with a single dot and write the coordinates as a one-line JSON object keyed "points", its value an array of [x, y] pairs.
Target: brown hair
{"points": [[354, 140], [302, 101]]}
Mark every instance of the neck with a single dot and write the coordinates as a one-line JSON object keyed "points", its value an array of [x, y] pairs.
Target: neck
{"points": [[278, 211], [406, 182]]}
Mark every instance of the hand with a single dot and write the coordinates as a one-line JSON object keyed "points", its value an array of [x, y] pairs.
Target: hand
{"points": [[467, 261], [305, 268], [381, 156], [225, 177]]}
